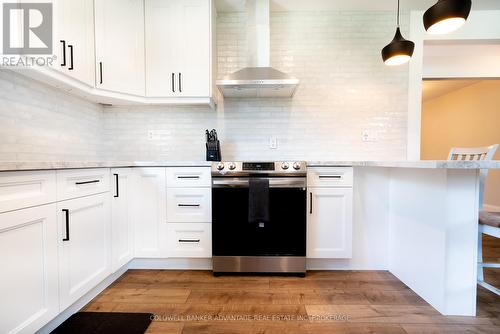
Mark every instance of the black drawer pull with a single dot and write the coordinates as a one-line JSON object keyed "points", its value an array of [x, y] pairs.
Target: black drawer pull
{"points": [[189, 240], [87, 182], [100, 73], [180, 83], [66, 217], [63, 53], [188, 177], [173, 82], [117, 190], [330, 176], [71, 68], [189, 205], [310, 203]]}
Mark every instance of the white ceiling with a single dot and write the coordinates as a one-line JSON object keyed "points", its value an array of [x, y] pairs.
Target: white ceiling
{"points": [[436, 88], [301, 5]]}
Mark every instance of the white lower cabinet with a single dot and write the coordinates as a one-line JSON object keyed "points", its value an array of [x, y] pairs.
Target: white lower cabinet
{"points": [[122, 228], [29, 278], [329, 223], [149, 212], [84, 245], [189, 240]]}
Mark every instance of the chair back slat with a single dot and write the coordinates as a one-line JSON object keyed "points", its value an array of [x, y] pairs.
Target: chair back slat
{"points": [[472, 153], [475, 154]]}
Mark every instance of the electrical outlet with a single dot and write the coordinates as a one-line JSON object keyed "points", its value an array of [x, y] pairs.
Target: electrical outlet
{"points": [[158, 134], [369, 136], [273, 142]]}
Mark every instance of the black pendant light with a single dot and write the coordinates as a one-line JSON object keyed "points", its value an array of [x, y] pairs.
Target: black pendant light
{"points": [[446, 16], [399, 50]]}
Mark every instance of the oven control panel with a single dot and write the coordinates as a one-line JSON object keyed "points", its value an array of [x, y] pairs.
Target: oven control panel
{"points": [[245, 168], [263, 166]]}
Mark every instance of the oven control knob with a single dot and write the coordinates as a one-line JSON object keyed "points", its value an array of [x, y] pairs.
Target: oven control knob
{"points": [[220, 166], [285, 165], [296, 165], [232, 165]]}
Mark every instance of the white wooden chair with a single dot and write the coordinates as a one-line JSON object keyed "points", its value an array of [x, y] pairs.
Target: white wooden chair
{"points": [[489, 222]]}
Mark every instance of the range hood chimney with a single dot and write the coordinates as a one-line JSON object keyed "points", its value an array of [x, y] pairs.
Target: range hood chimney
{"points": [[258, 79]]}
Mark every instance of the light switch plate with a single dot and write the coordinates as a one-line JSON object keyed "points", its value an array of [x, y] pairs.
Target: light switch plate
{"points": [[273, 142]]}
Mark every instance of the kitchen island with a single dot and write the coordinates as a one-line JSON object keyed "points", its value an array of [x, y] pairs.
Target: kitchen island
{"points": [[417, 219]]}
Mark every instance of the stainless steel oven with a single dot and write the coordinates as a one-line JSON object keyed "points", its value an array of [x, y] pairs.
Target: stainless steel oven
{"points": [[276, 246]]}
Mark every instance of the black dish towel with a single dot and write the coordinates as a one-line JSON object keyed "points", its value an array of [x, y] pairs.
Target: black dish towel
{"points": [[258, 201]]}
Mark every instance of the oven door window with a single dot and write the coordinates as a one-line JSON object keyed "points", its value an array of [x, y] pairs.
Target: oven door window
{"points": [[284, 235]]}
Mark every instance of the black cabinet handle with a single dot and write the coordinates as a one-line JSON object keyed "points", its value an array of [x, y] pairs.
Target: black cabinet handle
{"points": [[117, 190], [330, 176], [180, 83], [87, 182], [63, 52], [66, 213], [189, 205], [100, 72], [310, 203], [71, 68], [189, 240], [173, 82], [188, 177]]}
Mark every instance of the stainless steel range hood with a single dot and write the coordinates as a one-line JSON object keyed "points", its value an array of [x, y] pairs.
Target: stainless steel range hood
{"points": [[258, 79]]}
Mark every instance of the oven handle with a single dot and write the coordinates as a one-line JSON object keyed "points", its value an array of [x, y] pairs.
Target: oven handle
{"points": [[283, 182]]}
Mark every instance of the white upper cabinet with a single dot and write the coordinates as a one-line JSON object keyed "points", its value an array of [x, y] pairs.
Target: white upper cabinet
{"points": [[119, 34], [74, 39], [178, 48]]}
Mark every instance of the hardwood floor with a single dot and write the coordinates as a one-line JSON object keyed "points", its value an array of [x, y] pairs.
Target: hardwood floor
{"points": [[322, 302]]}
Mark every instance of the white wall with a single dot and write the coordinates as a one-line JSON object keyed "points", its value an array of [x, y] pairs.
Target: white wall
{"points": [[38, 122], [345, 89]]}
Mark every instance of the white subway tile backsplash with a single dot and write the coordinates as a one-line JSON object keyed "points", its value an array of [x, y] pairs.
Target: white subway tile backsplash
{"points": [[345, 89], [38, 122]]}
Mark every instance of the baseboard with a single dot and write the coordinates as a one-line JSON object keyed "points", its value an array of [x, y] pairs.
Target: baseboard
{"points": [[80, 303], [341, 264], [172, 264], [491, 208]]}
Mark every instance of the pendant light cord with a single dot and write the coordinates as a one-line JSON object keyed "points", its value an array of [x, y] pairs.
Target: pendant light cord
{"points": [[398, 14]]}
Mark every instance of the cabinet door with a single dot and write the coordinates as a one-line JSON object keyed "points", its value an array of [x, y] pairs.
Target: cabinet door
{"points": [[329, 223], [28, 258], [195, 59], [150, 210], [119, 33], [74, 39], [84, 245], [178, 41], [162, 48], [122, 229]]}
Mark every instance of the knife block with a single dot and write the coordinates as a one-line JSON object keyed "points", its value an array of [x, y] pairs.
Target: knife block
{"points": [[213, 151]]}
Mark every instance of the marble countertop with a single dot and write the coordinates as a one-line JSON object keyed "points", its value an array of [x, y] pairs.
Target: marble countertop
{"points": [[431, 164]]}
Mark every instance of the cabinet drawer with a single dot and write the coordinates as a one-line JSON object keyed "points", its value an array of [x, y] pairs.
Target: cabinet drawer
{"points": [[189, 205], [81, 182], [25, 189], [329, 177], [189, 240], [185, 177]]}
